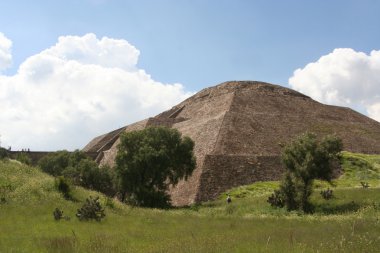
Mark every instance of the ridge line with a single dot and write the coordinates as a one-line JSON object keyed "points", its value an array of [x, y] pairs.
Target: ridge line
{"points": [[224, 117], [198, 188]]}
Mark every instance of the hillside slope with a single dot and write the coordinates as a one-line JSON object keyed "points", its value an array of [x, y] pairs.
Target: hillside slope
{"points": [[348, 223]]}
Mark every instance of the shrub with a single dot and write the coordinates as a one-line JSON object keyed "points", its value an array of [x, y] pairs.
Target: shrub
{"points": [[24, 158], [80, 169], [95, 178], [327, 194], [365, 185], [55, 163], [3, 153], [58, 214], [276, 199], [64, 187], [91, 210]]}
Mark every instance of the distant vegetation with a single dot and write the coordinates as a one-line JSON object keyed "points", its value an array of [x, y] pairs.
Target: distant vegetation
{"points": [[80, 170], [3, 153], [147, 162]]}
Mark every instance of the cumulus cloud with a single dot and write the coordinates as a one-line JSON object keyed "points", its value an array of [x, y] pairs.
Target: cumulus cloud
{"points": [[344, 77], [5, 52], [374, 111], [77, 89]]}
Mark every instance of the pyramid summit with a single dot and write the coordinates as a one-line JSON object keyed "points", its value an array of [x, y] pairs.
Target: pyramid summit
{"points": [[238, 128]]}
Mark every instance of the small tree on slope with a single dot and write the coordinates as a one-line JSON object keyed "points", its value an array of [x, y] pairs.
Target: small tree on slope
{"points": [[306, 159]]}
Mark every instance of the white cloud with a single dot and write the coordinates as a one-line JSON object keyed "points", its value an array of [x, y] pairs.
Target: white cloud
{"points": [[344, 77], [5, 52], [77, 89], [374, 111]]}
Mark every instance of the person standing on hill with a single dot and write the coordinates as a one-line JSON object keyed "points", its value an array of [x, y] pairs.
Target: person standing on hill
{"points": [[229, 200]]}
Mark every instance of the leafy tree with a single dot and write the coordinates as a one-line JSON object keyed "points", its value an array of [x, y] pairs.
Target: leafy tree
{"points": [[55, 163], [150, 160], [95, 178], [3, 153], [80, 169], [24, 158], [306, 159]]}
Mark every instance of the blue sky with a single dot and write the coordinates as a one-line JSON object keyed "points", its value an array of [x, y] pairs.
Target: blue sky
{"points": [[202, 43], [185, 46]]}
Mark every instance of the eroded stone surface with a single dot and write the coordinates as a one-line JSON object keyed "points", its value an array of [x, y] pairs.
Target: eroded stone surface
{"points": [[239, 128]]}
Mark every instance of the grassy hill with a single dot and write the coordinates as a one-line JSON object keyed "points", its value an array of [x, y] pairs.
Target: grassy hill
{"points": [[347, 223]]}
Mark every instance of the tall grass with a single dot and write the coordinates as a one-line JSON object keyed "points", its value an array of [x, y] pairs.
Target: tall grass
{"points": [[347, 223]]}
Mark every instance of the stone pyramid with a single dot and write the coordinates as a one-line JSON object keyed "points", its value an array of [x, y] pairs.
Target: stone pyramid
{"points": [[239, 127]]}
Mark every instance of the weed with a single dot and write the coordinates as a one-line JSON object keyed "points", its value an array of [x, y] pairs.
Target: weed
{"points": [[365, 185]]}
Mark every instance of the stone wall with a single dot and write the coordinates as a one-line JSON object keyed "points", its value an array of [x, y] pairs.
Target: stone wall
{"points": [[223, 172]]}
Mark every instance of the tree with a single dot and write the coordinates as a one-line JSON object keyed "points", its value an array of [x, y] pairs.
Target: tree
{"points": [[150, 160], [79, 169], [3, 153], [95, 178], [55, 163], [306, 159], [24, 158]]}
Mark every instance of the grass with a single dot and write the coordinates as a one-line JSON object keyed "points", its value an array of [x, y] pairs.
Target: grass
{"points": [[347, 223]]}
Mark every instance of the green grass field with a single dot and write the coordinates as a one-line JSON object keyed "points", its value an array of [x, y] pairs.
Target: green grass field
{"points": [[347, 223]]}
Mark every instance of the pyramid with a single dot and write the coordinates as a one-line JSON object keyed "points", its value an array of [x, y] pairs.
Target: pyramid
{"points": [[239, 128]]}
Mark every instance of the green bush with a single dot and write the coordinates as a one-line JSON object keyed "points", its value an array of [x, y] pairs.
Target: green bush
{"points": [[64, 187], [80, 169], [24, 158], [91, 210], [58, 214], [55, 163], [95, 178], [365, 185], [276, 199], [3, 153]]}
